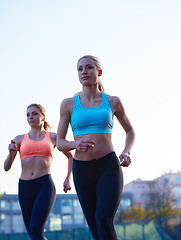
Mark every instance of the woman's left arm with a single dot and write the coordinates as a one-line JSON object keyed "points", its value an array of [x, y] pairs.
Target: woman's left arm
{"points": [[120, 114], [67, 183]]}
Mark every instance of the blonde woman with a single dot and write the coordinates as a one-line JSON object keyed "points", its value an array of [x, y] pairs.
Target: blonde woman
{"points": [[97, 170], [36, 188]]}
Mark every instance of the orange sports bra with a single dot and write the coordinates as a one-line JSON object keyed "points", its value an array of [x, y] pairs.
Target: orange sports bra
{"points": [[43, 148]]}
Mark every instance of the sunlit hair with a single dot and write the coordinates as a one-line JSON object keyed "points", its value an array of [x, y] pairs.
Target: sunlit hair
{"points": [[99, 67], [43, 112]]}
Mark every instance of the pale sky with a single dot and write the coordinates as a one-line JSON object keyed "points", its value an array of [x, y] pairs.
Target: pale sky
{"points": [[139, 45]]}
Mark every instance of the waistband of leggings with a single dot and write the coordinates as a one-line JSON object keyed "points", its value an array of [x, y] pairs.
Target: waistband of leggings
{"points": [[36, 180], [107, 157]]}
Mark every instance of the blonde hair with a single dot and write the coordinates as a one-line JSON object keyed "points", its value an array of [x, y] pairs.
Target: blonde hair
{"points": [[43, 112], [98, 66]]}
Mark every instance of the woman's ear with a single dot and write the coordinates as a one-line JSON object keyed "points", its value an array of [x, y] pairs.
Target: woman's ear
{"points": [[100, 72], [43, 119]]}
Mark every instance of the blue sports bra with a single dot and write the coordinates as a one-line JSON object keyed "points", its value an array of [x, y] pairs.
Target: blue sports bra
{"points": [[91, 120]]}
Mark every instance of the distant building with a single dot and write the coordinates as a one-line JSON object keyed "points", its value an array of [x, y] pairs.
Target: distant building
{"points": [[66, 213], [141, 189], [126, 200]]}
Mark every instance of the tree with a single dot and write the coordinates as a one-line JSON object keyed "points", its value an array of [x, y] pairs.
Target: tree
{"points": [[132, 214], [162, 200]]}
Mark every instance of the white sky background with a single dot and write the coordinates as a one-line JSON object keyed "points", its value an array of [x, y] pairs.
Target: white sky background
{"points": [[139, 45]]}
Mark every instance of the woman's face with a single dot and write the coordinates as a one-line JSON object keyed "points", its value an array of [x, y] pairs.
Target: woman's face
{"points": [[34, 117], [87, 72]]}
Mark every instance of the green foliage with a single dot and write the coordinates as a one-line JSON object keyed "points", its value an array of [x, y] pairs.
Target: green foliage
{"points": [[137, 213], [133, 214], [160, 203]]}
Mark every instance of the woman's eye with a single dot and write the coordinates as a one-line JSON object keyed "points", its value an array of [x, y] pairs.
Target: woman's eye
{"points": [[80, 69], [90, 67]]}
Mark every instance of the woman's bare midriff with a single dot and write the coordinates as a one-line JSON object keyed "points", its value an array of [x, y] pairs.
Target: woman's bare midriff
{"points": [[102, 147], [34, 167]]}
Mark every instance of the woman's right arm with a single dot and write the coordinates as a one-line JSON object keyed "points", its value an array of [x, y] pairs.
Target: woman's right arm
{"points": [[83, 144], [65, 114], [13, 148]]}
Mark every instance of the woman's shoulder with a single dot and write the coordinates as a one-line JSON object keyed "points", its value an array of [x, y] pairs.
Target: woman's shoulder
{"points": [[115, 103], [19, 138], [53, 137], [67, 105], [68, 101], [114, 100]]}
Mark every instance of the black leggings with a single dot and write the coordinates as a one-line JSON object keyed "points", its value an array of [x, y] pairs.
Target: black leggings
{"points": [[36, 199], [99, 184]]}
